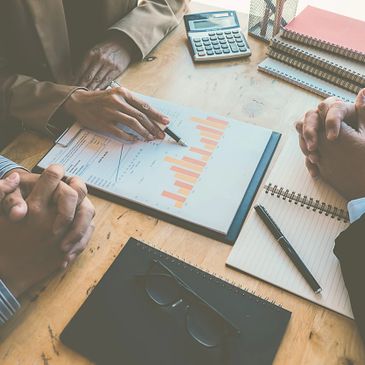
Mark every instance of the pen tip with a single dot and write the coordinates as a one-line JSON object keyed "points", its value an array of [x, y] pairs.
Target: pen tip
{"points": [[181, 143]]}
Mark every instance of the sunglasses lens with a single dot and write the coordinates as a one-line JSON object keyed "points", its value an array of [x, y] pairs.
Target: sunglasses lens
{"points": [[204, 325], [162, 289]]}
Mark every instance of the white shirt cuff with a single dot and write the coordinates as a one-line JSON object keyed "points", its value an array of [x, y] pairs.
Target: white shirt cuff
{"points": [[356, 209]]}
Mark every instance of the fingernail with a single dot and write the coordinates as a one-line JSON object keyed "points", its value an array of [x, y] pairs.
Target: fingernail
{"points": [[64, 264], [165, 120], [161, 135], [150, 137], [310, 146], [331, 135]]}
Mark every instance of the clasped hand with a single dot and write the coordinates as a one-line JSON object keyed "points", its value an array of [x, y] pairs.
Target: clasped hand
{"points": [[45, 225], [332, 138]]}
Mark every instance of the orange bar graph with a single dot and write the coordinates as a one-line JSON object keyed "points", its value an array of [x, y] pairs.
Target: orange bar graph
{"points": [[173, 196], [188, 179], [209, 147], [209, 141], [200, 151], [183, 185], [209, 130], [179, 204], [182, 163], [210, 135], [211, 122], [218, 121], [194, 161], [184, 171], [184, 192]]}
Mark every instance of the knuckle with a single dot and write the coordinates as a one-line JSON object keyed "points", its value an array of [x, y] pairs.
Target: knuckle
{"points": [[309, 114], [34, 208], [54, 172]]}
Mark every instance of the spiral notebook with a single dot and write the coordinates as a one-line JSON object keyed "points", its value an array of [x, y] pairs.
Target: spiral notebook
{"points": [[329, 31], [120, 324], [344, 68], [311, 215], [314, 70], [304, 80]]}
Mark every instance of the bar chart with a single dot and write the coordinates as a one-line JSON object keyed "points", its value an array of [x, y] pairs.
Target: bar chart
{"points": [[187, 170]]}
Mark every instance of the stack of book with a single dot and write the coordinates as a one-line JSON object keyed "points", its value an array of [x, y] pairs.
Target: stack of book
{"points": [[320, 51]]}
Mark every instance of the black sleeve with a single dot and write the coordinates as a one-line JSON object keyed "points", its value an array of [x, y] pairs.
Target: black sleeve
{"points": [[350, 250]]}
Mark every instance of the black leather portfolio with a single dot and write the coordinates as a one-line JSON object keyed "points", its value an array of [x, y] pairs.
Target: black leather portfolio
{"points": [[129, 317]]}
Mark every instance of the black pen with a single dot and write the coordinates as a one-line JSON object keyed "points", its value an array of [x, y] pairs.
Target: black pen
{"points": [[288, 248], [176, 138]]}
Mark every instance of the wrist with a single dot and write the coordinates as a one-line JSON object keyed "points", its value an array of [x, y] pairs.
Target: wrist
{"points": [[71, 105]]}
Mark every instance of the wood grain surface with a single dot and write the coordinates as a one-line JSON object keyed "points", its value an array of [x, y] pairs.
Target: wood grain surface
{"points": [[236, 89]]}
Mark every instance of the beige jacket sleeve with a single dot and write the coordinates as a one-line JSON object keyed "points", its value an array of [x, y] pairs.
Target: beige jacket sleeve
{"points": [[29, 101], [151, 21]]}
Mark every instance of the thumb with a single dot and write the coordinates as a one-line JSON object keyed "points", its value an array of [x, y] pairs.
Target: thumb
{"points": [[360, 109]]}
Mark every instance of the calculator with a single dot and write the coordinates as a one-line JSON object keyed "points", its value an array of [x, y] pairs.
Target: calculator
{"points": [[215, 35]]}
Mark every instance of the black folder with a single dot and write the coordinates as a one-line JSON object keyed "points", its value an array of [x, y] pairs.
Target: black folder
{"points": [[120, 324]]}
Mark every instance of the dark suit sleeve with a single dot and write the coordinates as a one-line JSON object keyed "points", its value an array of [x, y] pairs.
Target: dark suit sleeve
{"points": [[350, 250]]}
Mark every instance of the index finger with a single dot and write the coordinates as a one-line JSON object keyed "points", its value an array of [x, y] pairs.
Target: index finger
{"points": [[145, 108], [47, 184]]}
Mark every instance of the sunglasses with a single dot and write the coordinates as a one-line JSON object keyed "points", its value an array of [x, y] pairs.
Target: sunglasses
{"points": [[204, 323]]}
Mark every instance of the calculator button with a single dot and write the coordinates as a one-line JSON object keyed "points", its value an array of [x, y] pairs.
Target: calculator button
{"points": [[210, 53], [221, 37], [201, 54], [237, 36], [208, 48], [223, 42], [229, 36], [234, 48], [217, 51], [211, 33], [213, 38], [226, 51], [235, 31], [227, 32], [215, 43], [219, 33], [199, 49], [242, 49], [231, 41], [224, 46], [196, 40], [205, 39], [216, 46]]}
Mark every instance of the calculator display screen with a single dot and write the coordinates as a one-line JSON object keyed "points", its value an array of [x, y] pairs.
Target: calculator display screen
{"points": [[212, 22]]}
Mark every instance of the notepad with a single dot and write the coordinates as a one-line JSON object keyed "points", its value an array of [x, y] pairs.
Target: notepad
{"points": [[206, 187], [311, 215]]}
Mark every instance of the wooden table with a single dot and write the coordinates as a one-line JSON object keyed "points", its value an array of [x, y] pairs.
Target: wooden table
{"points": [[235, 89]]}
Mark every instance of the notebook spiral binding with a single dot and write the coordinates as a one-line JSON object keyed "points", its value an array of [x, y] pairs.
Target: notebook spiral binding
{"points": [[307, 202], [327, 46], [305, 85], [219, 279], [306, 67], [319, 61]]}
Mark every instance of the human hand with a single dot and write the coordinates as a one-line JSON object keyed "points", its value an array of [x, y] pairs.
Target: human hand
{"points": [[103, 110], [30, 248], [106, 61], [327, 119], [8, 185], [341, 161], [74, 211]]}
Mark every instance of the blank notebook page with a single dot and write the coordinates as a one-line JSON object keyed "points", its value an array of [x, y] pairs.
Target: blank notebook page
{"points": [[306, 225]]}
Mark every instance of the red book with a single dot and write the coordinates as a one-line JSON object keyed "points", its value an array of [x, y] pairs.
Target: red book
{"points": [[329, 31]]}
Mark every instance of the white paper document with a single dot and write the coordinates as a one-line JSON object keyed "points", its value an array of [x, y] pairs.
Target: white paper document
{"points": [[203, 183]]}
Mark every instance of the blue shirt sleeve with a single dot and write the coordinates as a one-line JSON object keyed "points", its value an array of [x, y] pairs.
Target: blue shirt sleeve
{"points": [[356, 209], [7, 165]]}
